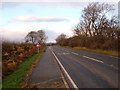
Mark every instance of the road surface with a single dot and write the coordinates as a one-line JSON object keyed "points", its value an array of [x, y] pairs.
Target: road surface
{"points": [[47, 73], [84, 69]]}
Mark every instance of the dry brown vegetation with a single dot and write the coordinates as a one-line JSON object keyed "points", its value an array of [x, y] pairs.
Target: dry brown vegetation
{"points": [[13, 54]]}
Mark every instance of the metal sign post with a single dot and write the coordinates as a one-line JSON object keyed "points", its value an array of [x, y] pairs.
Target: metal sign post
{"points": [[38, 46], [38, 50]]}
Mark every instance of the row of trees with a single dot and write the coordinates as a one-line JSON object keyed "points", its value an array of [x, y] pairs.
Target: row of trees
{"points": [[97, 29]]}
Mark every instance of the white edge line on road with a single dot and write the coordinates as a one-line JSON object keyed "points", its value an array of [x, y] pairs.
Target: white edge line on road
{"points": [[75, 53], [94, 59], [72, 82]]}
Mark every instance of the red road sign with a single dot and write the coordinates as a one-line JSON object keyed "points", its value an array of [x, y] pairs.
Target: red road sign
{"points": [[38, 45]]}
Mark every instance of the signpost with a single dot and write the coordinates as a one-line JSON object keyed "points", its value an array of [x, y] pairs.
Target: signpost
{"points": [[38, 46]]}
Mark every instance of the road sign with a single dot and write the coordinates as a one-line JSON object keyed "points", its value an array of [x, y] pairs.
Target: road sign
{"points": [[38, 45]]}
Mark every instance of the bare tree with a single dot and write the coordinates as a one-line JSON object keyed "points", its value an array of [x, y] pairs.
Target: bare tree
{"points": [[61, 39], [35, 37], [31, 37], [94, 19], [97, 29], [41, 37]]}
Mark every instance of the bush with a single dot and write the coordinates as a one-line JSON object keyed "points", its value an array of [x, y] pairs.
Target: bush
{"points": [[13, 54]]}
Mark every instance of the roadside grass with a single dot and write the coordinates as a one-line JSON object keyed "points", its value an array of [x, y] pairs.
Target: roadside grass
{"points": [[104, 52], [16, 79]]}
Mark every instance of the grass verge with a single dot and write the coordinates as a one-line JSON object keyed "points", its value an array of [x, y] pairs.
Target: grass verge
{"points": [[104, 52], [17, 78]]}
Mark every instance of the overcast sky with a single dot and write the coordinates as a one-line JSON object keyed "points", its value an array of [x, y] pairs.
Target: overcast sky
{"points": [[54, 17]]}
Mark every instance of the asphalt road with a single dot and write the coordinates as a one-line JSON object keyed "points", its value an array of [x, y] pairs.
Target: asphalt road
{"points": [[88, 70], [62, 67], [47, 73]]}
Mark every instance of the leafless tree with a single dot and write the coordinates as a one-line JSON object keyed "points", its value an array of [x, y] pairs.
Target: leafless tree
{"points": [[31, 37], [94, 19], [61, 39], [97, 28], [34, 36], [41, 37]]}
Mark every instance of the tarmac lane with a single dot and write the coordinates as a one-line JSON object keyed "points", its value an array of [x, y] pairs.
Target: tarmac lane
{"points": [[66, 68], [47, 73], [89, 70]]}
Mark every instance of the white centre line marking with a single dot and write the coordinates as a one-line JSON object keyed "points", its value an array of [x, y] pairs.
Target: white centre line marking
{"points": [[93, 59], [75, 53], [66, 53], [72, 82]]}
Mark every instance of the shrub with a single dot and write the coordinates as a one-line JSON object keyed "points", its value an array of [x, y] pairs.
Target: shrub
{"points": [[13, 54]]}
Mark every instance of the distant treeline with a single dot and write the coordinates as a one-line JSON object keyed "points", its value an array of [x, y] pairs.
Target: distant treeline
{"points": [[97, 29]]}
